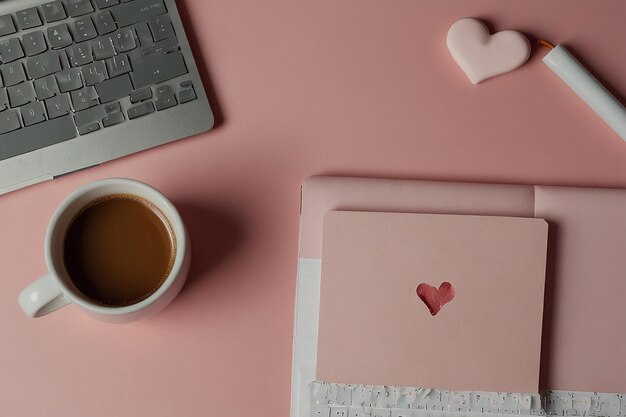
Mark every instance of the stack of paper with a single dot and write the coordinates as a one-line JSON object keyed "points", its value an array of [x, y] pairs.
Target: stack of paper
{"points": [[361, 321]]}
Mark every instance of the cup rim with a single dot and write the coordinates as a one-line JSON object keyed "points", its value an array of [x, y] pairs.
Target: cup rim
{"points": [[178, 228]]}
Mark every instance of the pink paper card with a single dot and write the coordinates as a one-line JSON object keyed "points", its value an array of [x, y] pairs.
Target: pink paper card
{"points": [[486, 331]]}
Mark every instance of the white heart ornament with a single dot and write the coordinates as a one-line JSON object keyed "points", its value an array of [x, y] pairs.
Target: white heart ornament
{"points": [[481, 55]]}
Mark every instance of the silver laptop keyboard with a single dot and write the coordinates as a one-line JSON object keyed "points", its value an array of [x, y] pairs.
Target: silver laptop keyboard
{"points": [[66, 64]]}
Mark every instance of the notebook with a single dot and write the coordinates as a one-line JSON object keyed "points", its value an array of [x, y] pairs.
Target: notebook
{"points": [[582, 337], [382, 321]]}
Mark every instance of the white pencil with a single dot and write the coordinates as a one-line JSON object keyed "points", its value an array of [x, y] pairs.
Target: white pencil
{"points": [[587, 87]]}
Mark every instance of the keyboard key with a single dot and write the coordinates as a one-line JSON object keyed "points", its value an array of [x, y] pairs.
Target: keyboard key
{"points": [[140, 110], [33, 113], [161, 27], [13, 73], [118, 65], [103, 4], [21, 94], [86, 129], [84, 98], [4, 99], [186, 95], [113, 119], [135, 11], [69, 79], [46, 87], [164, 97], [84, 29], [43, 64], [79, 54], [53, 11], [161, 47], [157, 68], [114, 88], [6, 25], [78, 7], [34, 43], [58, 106], [140, 95], [104, 22], [124, 40], [93, 114], [28, 18], [94, 73], [143, 34], [9, 120], [35, 137], [11, 49], [59, 36], [103, 47], [113, 107]]}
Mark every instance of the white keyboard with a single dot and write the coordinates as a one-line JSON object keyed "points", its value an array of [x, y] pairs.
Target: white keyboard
{"points": [[341, 400]]}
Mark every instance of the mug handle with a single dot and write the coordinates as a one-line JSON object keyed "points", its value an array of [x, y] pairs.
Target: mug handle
{"points": [[42, 297]]}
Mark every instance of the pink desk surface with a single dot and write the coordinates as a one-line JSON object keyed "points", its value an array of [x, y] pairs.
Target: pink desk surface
{"points": [[349, 87]]}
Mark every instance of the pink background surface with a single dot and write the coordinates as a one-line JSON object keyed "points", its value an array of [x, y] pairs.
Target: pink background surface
{"points": [[323, 87]]}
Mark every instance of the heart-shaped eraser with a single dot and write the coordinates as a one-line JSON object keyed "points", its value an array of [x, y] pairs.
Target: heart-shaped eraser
{"points": [[433, 297], [481, 55]]}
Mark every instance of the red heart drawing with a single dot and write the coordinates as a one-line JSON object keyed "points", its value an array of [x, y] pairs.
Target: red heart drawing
{"points": [[435, 298]]}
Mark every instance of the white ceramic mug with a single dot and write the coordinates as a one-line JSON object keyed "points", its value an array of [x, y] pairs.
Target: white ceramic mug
{"points": [[55, 290]]}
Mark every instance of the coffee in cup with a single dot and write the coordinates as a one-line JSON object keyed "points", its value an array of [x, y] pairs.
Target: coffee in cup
{"points": [[119, 249]]}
